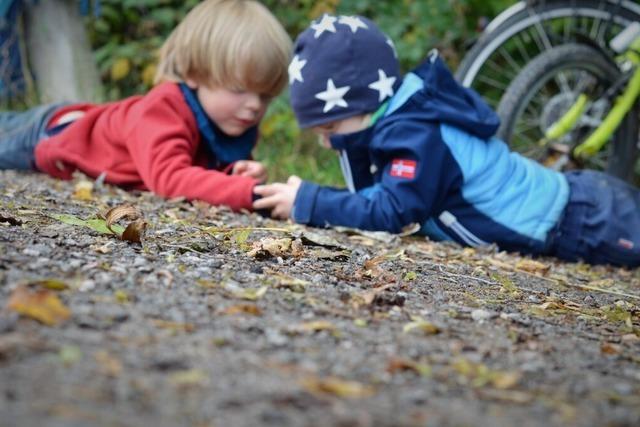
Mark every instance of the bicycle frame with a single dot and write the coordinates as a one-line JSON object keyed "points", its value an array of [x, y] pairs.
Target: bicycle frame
{"points": [[622, 104]]}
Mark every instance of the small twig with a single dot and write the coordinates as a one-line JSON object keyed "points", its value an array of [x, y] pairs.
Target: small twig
{"points": [[230, 230]]}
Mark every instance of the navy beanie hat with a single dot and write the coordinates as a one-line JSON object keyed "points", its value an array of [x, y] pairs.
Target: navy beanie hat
{"points": [[342, 66]]}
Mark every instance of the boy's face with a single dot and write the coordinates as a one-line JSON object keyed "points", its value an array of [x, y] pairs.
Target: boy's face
{"points": [[233, 111], [348, 125]]}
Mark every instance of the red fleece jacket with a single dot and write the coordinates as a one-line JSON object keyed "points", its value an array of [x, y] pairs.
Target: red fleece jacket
{"points": [[148, 142]]}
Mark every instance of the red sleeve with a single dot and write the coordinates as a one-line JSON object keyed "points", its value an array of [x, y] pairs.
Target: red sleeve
{"points": [[163, 145]]}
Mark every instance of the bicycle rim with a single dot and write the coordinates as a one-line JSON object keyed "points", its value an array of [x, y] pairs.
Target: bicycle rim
{"points": [[501, 53], [546, 89]]}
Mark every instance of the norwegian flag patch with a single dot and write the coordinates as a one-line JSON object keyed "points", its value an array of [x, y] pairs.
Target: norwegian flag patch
{"points": [[403, 168], [627, 244]]}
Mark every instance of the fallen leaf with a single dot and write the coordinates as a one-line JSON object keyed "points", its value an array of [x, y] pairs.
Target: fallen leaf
{"points": [[284, 281], [109, 364], [337, 387], [96, 224], [270, 247], [401, 364], [532, 266], [252, 309], [174, 326], [134, 231], [317, 325], [42, 305], [69, 354], [610, 348], [52, 284], [250, 294], [317, 239], [422, 325], [189, 378], [9, 219], [83, 190], [117, 213]]}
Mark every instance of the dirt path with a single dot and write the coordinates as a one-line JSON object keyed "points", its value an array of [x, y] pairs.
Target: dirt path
{"points": [[220, 319]]}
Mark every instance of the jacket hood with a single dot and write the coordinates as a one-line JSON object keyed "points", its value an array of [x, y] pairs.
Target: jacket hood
{"points": [[440, 98]]}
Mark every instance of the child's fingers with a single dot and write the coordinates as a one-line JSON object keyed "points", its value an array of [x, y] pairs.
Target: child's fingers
{"points": [[267, 190], [266, 202], [240, 167]]}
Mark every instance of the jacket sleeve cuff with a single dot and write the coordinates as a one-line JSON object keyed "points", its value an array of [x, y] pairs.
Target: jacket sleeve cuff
{"points": [[304, 204]]}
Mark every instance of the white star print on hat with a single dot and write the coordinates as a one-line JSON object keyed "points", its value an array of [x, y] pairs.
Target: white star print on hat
{"points": [[384, 85], [295, 69], [325, 24], [333, 96], [353, 22]]}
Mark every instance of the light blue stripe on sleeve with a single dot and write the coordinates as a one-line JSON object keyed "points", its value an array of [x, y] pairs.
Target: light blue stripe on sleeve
{"points": [[510, 189]]}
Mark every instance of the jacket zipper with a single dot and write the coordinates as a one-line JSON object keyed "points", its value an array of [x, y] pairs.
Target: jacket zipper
{"points": [[451, 222]]}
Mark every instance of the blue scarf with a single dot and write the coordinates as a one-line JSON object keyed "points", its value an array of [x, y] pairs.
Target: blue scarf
{"points": [[223, 149]]}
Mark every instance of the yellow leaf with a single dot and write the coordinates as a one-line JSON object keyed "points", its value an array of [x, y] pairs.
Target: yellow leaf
{"points": [[83, 190], [418, 323], [317, 325], [532, 266], [120, 69], [189, 378], [121, 296], [337, 387], [39, 304]]}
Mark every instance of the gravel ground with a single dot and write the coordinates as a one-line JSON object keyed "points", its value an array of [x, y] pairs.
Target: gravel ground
{"points": [[224, 319]]}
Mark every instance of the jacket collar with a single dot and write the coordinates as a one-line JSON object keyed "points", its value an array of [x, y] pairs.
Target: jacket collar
{"points": [[223, 149]]}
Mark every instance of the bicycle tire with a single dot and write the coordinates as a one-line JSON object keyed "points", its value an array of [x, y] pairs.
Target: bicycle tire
{"points": [[514, 37], [620, 154]]}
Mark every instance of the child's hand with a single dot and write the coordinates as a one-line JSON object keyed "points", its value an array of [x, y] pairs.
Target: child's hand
{"points": [[278, 197], [250, 168]]}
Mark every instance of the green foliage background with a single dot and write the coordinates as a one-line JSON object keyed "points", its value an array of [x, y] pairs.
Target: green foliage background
{"points": [[128, 33]]}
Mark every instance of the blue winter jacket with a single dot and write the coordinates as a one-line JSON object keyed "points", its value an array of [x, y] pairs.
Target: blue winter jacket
{"points": [[432, 159]]}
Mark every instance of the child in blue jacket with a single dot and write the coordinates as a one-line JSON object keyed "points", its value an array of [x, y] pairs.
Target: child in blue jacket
{"points": [[421, 149]]}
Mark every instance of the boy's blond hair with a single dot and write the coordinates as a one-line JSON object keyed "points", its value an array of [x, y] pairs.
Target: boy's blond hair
{"points": [[236, 44]]}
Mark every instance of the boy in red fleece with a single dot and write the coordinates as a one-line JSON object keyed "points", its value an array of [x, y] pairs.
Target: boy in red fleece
{"points": [[192, 134]]}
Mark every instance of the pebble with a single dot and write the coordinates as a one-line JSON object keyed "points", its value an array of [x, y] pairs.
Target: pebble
{"points": [[480, 315]]}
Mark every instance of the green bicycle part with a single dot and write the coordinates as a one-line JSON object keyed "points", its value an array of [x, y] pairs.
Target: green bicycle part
{"points": [[564, 124], [622, 105]]}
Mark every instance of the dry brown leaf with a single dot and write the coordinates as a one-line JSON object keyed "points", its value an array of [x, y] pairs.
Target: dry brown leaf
{"points": [[9, 219], [610, 348], [42, 305], [401, 364], [109, 365], [243, 309], [297, 248], [367, 297], [117, 213], [174, 326], [532, 266], [134, 231], [337, 387], [270, 247]]}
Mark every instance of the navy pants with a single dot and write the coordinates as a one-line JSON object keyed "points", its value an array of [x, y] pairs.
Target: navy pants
{"points": [[601, 223], [20, 132]]}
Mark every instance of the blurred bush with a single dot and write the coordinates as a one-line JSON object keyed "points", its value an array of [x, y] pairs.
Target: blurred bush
{"points": [[128, 33]]}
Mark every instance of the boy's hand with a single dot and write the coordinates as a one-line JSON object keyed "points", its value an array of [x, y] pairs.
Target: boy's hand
{"points": [[250, 168], [278, 197]]}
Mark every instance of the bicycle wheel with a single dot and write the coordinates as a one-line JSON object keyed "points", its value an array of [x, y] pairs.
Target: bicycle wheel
{"points": [[527, 28], [544, 91]]}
